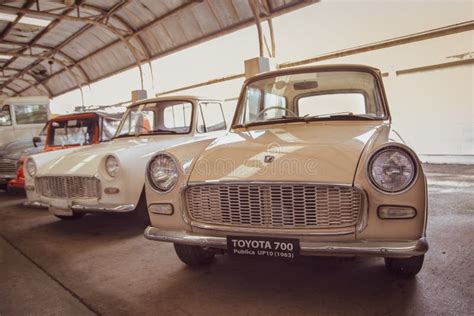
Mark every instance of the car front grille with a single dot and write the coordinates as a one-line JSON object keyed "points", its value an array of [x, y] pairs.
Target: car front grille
{"points": [[68, 187], [274, 205], [8, 167]]}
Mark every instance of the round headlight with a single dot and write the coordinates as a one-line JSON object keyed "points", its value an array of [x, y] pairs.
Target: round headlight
{"points": [[163, 172], [112, 166], [392, 169], [30, 167]]}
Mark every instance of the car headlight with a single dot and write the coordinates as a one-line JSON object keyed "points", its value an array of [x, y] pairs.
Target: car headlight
{"points": [[392, 169], [30, 167], [112, 166], [163, 172]]}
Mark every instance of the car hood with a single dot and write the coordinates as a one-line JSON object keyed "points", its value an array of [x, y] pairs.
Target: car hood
{"points": [[326, 152], [14, 149], [87, 160]]}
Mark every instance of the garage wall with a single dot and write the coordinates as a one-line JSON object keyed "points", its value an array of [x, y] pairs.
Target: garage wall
{"points": [[433, 110]]}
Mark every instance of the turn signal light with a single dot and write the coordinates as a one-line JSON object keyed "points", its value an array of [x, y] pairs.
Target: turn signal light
{"points": [[111, 190], [396, 212], [162, 209]]}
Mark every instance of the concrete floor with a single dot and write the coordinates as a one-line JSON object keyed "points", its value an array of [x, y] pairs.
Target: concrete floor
{"points": [[103, 265]]}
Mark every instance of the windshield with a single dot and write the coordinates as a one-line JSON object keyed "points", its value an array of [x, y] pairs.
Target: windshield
{"points": [[311, 95], [72, 132], [164, 117]]}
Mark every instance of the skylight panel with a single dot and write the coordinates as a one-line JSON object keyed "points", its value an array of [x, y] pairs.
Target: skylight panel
{"points": [[7, 17], [34, 21], [24, 20]]}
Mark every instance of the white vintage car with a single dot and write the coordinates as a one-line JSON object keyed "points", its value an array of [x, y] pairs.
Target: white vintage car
{"points": [[310, 166], [109, 177]]}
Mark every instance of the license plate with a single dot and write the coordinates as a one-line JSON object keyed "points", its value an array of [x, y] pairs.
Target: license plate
{"points": [[281, 248]]}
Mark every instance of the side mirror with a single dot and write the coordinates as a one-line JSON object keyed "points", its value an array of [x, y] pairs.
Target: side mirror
{"points": [[36, 140]]}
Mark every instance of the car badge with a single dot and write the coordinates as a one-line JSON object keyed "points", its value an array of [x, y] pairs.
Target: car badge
{"points": [[269, 158]]}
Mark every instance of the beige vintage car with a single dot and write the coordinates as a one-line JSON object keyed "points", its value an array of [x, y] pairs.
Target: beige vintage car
{"points": [[310, 166]]}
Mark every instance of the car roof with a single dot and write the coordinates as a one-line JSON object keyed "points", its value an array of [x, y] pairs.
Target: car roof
{"points": [[320, 68], [177, 98], [78, 114]]}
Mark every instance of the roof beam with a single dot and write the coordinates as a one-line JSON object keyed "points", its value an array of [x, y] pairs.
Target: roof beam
{"points": [[50, 51], [41, 57], [411, 38], [64, 43], [63, 17], [11, 25], [32, 42], [142, 29]]}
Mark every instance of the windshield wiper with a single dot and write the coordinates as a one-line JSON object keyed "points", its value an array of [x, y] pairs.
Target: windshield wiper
{"points": [[160, 131], [123, 135], [340, 115], [271, 121]]}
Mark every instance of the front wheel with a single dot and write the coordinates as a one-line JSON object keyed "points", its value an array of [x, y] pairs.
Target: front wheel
{"points": [[407, 267], [193, 255], [74, 216]]}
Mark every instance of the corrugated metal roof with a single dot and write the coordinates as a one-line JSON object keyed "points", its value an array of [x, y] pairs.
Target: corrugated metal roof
{"points": [[94, 39]]}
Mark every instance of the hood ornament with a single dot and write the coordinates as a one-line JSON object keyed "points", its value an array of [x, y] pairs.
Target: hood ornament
{"points": [[269, 158]]}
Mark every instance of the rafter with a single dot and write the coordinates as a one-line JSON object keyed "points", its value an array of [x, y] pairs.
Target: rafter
{"points": [[32, 42], [64, 17], [135, 34], [11, 25], [64, 43]]}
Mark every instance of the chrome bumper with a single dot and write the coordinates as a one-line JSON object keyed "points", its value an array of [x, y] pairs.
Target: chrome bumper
{"points": [[83, 208], [349, 248], [105, 208], [36, 204]]}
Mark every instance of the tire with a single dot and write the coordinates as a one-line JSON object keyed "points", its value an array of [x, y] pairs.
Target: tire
{"points": [[142, 210], [193, 255], [74, 216], [3, 186], [407, 267]]}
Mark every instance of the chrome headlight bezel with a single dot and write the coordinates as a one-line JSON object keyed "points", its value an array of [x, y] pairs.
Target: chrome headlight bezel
{"points": [[30, 167], [407, 153], [174, 173], [112, 166]]}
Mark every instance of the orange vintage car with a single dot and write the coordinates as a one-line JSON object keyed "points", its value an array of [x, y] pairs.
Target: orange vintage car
{"points": [[69, 131]]}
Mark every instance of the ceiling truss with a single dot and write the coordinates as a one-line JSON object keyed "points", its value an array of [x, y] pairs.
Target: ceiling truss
{"points": [[86, 15]]}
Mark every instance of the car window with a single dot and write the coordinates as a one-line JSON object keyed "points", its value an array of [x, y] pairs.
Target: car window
{"points": [[274, 106], [31, 113], [162, 117], [109, 127], [5, 116], [177, 116], [142, 121], [72, 132], [320, 104], [210, 117], [299, 95]]}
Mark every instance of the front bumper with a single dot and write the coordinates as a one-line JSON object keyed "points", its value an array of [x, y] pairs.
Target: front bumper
{"points": [[104, 208], [402, 248], [101, 208]]}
